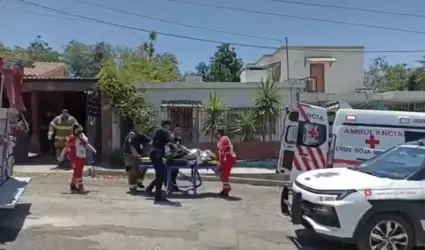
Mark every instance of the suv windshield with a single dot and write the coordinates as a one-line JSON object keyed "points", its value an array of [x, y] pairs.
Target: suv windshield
{"points": [[396, 163]]}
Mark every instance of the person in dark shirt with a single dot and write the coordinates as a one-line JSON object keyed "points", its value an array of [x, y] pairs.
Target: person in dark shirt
{"points": [[178, 141], [134, 147], [161, 138]]}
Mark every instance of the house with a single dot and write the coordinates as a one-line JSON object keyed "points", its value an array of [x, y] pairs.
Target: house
{"points": [[331, 69]]}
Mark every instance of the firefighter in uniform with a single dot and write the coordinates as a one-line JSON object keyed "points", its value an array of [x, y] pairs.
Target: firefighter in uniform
{"points": [[135, 145], [61, 128]]}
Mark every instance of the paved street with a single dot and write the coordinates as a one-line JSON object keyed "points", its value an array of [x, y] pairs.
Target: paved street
{"points": [[50, 218]]}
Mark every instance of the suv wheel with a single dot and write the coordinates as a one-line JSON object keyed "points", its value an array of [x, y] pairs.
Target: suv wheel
{"points": [[284, 208], [386, 231]]}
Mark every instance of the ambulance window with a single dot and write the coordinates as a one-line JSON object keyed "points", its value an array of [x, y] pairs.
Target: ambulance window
{"points": [[312, 134], [413, 135], [291, 134]]}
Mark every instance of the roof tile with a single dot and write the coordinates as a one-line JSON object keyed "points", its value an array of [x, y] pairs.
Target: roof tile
{"points": [[44, 69]]}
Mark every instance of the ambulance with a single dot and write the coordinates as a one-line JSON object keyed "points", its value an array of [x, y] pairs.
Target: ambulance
{"points": [[304, 140], [358, 135], [11, 122], [338, 136]]}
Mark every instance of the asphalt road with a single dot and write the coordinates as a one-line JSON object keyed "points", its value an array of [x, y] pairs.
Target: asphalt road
{"points": [[49, 218]]}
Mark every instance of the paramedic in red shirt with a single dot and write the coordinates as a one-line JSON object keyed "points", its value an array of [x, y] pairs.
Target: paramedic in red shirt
{"points": [[227, 159], [77, 145]]}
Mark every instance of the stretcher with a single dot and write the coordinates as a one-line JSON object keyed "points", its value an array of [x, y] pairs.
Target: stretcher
{"points": [[193, 166]]}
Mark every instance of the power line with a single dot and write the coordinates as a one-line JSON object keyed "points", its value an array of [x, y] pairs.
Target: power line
{"points": [[298, 17], [39, 14], [176, 23], [207, 40], [48, 15], [145, 30], [349, 8]]}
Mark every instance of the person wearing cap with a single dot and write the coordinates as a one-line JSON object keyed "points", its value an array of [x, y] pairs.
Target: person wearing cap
{"points": [[227, 159], [61, 127], [161, 138], [134, 147], [76, 148]]}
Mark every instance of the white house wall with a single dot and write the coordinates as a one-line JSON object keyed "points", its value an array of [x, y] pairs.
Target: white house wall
{"points": [[234, 95], [344, 76]]}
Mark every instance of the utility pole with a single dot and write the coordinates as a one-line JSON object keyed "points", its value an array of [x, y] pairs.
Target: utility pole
{"points": [[287, 58]]}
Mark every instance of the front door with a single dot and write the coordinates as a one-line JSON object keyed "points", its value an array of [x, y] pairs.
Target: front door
{"points": [[317, 71]]}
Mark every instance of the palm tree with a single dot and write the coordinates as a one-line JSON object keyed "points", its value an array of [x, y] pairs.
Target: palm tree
{"points": [[214, 115], [245, 125], [269, 104]]}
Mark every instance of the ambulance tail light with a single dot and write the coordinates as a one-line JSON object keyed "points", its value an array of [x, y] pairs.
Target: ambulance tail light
{"points": [[331, 152], [350, 118]]}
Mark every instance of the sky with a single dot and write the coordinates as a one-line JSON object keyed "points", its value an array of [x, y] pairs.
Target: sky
{"points": [[23, 22]]}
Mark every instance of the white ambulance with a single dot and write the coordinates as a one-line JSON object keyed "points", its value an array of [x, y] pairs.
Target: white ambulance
{"points": [[358, 135], [304, 140]]}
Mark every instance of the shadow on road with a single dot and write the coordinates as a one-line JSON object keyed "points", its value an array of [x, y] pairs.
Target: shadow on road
{"points": [[12, 221], [307, 240], [184, 195]]}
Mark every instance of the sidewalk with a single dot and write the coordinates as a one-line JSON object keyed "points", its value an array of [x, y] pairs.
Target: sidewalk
{"points": [[254, 176]]}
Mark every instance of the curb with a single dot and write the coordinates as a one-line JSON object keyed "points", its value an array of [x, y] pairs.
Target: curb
{"points": [[250, 179]]}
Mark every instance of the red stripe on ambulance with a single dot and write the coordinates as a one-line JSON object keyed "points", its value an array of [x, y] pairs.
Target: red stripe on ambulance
{"points": [[316, 154]]}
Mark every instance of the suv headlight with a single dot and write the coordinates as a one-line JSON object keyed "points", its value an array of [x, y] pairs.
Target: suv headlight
{"points": [[340, 194]]}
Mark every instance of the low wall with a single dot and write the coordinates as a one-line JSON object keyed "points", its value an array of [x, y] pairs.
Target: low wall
{"points": [[255, 150]]}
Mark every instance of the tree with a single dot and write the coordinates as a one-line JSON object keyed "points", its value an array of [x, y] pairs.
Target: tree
{"points": [[245, 125], [224, 66], [39, 50], [381, 76], [375, 75], [85, 60], [202, 70], [118, 81], [215, 112], [269, 105]]}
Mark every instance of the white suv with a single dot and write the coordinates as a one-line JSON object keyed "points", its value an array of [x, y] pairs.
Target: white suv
{"points": [[377, 205]]}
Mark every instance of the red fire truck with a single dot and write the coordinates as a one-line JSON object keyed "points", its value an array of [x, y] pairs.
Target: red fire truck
{"points": [[12, 122]]}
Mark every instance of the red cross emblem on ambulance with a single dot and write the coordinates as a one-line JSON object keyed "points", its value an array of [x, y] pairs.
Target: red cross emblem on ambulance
{"points": [[313, 133], [372, 141]]}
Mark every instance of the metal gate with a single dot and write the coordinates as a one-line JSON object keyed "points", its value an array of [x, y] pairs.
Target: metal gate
{"points": [[93, 124]]}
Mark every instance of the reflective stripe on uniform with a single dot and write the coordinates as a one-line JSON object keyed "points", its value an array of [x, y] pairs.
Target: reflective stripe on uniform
{"points": [[132, 186], [57, 126], [63, 127], [140, 181]]}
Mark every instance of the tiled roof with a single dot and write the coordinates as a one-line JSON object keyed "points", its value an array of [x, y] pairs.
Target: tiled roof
{"points": [[44, 69]]}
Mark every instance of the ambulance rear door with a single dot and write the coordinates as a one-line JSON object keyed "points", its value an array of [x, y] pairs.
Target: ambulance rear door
{"points": [[312, 144], [357, 139], [288, 142]]}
